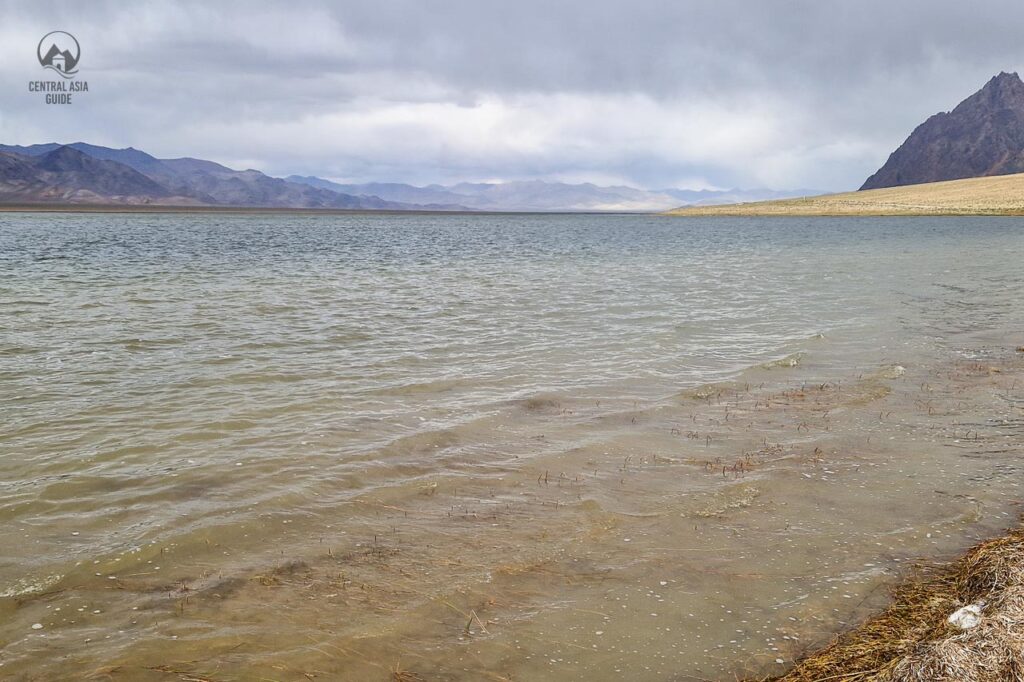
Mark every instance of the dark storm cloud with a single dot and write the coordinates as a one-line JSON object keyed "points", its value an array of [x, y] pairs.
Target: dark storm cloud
{"points": [[811, 94]]}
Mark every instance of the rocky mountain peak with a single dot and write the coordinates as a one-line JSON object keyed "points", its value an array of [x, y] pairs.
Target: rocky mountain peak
{"points": [[983, 135]]}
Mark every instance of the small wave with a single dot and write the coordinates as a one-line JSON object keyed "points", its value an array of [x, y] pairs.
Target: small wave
{"points": [[29, 585], [539, 403], [424, 387], [731, 499], [712, 390], [786, 362], [892, 372]]}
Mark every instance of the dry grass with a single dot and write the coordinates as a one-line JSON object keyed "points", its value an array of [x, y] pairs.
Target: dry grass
{"points": [[913, 642], [998, 195]]}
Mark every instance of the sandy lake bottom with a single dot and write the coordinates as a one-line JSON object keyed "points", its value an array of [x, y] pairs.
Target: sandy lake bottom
{"points": [[489, 448]]}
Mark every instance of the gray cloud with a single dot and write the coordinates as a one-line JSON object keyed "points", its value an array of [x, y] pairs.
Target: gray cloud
{"points": [[781, 94]]}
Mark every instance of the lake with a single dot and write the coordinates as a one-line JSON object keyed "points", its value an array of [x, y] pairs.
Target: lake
{"points": [[505, 447]]}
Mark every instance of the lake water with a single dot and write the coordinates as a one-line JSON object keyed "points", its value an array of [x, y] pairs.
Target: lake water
{"points": [[519, 447]]}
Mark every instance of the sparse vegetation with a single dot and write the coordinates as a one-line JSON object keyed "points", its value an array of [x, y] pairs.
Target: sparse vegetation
{"points": [[913, 641], [998, 195]]}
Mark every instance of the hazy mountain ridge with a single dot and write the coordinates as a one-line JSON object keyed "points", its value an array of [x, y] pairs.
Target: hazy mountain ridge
{"points": [[94, 174], [89, 173], [67, 175], [706, 197], [982, 136], [537, 195]]}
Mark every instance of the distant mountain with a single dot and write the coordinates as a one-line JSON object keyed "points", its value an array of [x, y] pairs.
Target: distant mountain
{"points": [[983, 135], [105, 175], [536, 195], [391, 191], [708, 197], [86, 173], [67, 175], [553, 196]]}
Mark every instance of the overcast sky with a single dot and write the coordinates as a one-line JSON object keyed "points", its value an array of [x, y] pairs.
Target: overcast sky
{"points": [[809, 94]]}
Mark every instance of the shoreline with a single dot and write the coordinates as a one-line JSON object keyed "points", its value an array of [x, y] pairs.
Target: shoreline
{"points": [[271, 210], [905, 214], [1001, 195], [961, 620]]}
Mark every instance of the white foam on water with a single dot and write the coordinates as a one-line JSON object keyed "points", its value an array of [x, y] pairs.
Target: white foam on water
{"points": [[29, 585]]}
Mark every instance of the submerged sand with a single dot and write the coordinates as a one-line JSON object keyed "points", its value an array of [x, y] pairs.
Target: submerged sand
{"points": [[963, 622], [294, 514], [802, 499], [1000, 195]]}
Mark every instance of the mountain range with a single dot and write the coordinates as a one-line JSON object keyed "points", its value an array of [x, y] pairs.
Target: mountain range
{"points": [[536, 195], [82, 173], [982, 136], [85, 173]]}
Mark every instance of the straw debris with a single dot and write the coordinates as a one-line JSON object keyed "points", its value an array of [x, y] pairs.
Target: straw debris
{"points": [[913, 640]]}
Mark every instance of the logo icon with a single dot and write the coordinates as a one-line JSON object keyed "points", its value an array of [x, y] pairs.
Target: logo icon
{"points": [[59, 51]]}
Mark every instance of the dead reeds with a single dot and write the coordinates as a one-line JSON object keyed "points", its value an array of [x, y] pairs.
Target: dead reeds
{"points": [[913, 640]]}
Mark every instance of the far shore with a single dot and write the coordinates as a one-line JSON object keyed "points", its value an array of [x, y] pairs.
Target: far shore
{"points": [[185, 209], [989, 196], [263, 210]]}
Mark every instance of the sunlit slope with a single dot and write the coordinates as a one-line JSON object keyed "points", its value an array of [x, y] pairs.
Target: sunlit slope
{"points": [[997, 195]]}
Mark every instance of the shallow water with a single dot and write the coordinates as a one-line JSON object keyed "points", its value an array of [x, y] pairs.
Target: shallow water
{"points": [[488, 447]]}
